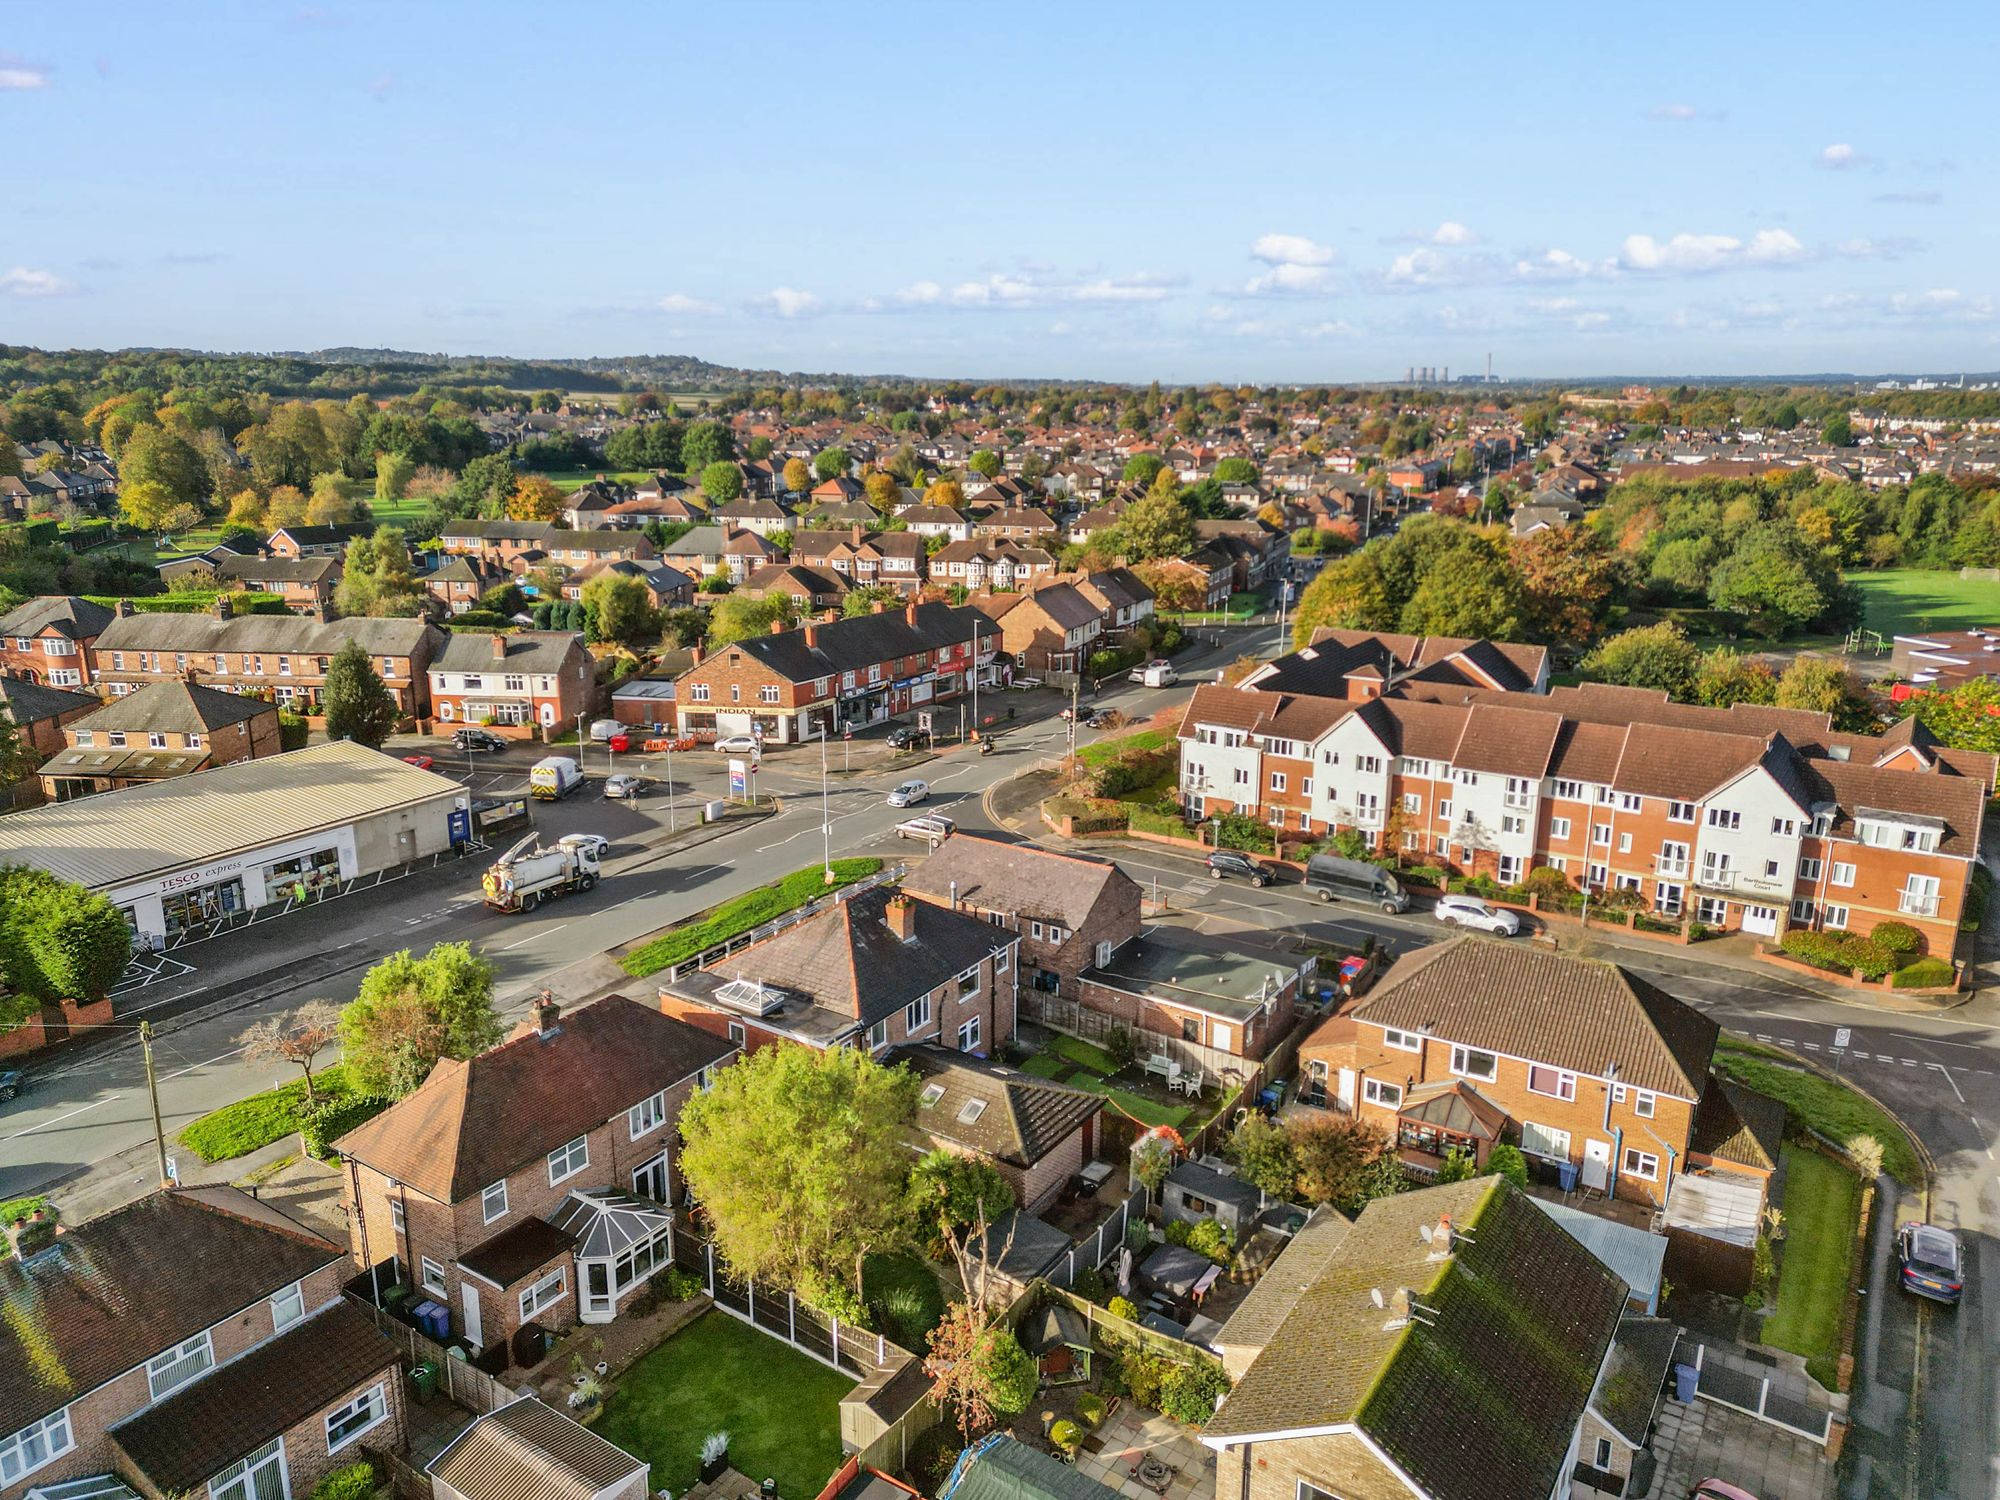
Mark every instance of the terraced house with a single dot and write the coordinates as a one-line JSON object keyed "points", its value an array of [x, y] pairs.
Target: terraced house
{"points": [[1749, 817], [48, 640], [195, 1342]]}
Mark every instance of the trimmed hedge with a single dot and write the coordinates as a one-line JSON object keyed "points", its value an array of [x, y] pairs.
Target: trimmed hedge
{"points": [[321, 1124], [1898, 938], [1924, 974], [735, 917]]}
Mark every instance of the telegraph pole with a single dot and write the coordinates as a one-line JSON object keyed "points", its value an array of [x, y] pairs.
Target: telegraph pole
{"points": [[1075, 683], [153, 1091]]}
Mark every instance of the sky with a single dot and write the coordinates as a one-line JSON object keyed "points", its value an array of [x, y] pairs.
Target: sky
{"points": [[1124, 192]]}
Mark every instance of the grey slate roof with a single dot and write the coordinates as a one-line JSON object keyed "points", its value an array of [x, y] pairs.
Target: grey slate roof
{"points": [[1022, 1118], [174, 708], [284, 634], [70, 615], [864, 640], [526, 651], [26, 702], [1630, 1390], [1278, 1290]]}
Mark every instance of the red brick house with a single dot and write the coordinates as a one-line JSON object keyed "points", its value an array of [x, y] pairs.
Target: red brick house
{"points": [[1035, 1132], [39, 714], [518, 680], [166, 730], [48, 640]]}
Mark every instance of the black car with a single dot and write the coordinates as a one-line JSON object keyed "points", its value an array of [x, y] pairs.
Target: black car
{"points": [[1931, 1262], [1234, 862], [1099, 719], [907, 738], [477, 739], [12, 1081]]}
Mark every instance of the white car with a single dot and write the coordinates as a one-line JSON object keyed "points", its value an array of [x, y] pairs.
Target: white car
{"points": [[623, 787], [596, 843], [1470, 911], [605, 729], [909, 794], [737, 744]]}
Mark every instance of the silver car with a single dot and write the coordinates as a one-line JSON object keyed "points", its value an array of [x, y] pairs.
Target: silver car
{"points": [[623, 787], [1470, 911], [909, 794]]}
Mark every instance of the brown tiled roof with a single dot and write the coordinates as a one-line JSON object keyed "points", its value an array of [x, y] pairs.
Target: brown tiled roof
{"points": [[1738, 1124], [1511, 741], [528, 1451], [1958, 802], [1225, 708], [473, 1122], [1681, 764], [240, 1406], [1019, 878], [1479, 1399], [517, 1251], [1023, 1118], [111, 1293], [1580, 1014]]}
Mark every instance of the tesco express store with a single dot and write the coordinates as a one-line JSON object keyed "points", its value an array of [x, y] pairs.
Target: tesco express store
{"points": [[177, 856]]}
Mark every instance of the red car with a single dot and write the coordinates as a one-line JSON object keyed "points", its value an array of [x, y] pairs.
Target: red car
{"points": [[421, 762]]}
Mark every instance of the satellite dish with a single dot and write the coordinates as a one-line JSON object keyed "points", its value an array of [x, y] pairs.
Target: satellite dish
{"points": [[1427, 1232]]}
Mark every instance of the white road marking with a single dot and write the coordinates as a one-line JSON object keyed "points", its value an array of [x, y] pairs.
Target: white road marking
{"points": [[533, 936], [80, 1109], [1950, 1080]]}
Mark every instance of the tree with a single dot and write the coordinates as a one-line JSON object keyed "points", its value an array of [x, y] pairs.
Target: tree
{"points": [[1143, 468], [862, 601], [484, 486], [735, 618], [1263, 1153], [830, 463], [1334, 1153], [706, 443], [1174, 589], [59, 941], [18, 758], [1236, 471], [796, 1155], [393, 472], [798, 478], [147, 505], [1837, 431], [156, 456], [297, 1037], [882, 492], [946, 492], [1650, 656], [722, 482], [332, 502], [354, 595], [1727, 677], [1568, 576], [536, 498], [412, 1011], [957, 1191], [286, 507], [985, 463], [623, 609], [1824, 686], [1508, 1162], [246, 508], [357, 706], [1775, 579], [1158, 524], [398, 595]]}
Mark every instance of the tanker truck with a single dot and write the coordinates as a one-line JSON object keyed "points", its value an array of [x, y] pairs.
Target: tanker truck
{"points": [[528, 874]]}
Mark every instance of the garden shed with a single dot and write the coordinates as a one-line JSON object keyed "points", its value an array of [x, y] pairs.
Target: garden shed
{"points": [[1059, 1339]]}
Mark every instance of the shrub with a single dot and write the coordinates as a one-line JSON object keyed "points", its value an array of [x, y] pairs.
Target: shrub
{"points": [[1866, 1153], [1924, 974], [1189, 1392], [1090, 1407], [1011, 1372], [1899, 939], [325, 1122], [355, 1481], [1236, 831], [1211, 1239], [907, 1315], [1821, 949], [1865, 957], [1089, 1284], [1065, 1434], [1143, 1373], [1508, 1162], [1547, 880], [1124, 1307]]}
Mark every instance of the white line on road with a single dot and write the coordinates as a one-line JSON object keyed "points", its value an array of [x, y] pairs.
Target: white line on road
{"points": [[80, 1109], [1950, 1080], [1932, 1041], [533, 936]]}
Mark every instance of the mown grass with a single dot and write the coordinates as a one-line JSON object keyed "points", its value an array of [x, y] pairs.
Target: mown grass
{"points": [[1823, 1104], [1901, 601], [1045, 1065], [1077, 1050], [250, 1124], [1822, 1199], [1103, 751], [738, 915]]}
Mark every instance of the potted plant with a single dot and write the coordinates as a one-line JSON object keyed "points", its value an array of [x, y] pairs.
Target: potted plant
{"points": [[714, 1456]]}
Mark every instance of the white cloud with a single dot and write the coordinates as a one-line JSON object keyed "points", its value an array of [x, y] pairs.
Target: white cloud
{"points": [[1892, 248], [1922, 198], [1415, 268], [1839, 157], [1938, 300], [1290, 250], [1676, 112], [1553, 265], [1140, 286], [1694, 254], [681, 302], [22, 282], [1287, 280], [1451, 232], [21, 76], [788, 302], [1030, 289], [921, 294]]}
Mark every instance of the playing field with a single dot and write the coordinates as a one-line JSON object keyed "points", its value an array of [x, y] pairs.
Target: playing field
{"points": [[1900, 601]]}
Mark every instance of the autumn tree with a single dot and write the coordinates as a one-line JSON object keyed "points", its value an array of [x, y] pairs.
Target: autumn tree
{"points": [[1725, 677], [156, 456], [1823, 685], [295, 1037], [393, 472], [798, 478], [1568, 578], [285, 507], [1332, 1154], [882, 492], [148, 505], [946, 492], [1650, 656], [622, 608], [536, 498], [1175, 590], [412, 1011], [333, 502]]}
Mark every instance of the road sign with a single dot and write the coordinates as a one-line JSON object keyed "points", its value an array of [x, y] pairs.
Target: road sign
{"points": [[1842, 1036], [738, 778], [924, 721]]}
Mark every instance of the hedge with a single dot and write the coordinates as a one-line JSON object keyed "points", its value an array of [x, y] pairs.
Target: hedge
{"points": [[321, 1124], [244, 603], [737, 916], [1924, 974], [250, 1124]]}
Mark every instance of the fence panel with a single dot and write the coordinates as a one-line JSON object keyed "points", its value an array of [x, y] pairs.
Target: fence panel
{"points": [[409, 1482], [473, 1389]]}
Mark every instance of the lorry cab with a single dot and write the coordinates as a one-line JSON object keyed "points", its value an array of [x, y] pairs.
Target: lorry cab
{"points": [[1329, 876]]}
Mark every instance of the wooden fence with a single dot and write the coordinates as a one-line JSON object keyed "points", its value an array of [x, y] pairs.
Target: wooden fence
{"points": [[1695, 1262], [472, 1389]]}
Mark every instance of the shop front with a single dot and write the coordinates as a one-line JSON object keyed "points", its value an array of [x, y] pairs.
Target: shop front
{"points": [[169, 906]]}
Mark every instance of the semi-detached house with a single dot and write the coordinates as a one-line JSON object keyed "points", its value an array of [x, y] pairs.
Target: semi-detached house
{"points": [[1747, 818], [529, 677]]}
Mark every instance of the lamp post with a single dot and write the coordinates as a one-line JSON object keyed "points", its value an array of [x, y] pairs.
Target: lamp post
{"points": [[825, 825]]}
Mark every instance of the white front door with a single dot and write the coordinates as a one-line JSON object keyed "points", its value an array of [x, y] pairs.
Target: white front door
{"points": [[468, 1301], [1762, 920], [1596, 1164], [1347, 1088]]}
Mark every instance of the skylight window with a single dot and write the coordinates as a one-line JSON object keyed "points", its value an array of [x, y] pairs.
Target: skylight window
{"points": [[931, 1094], [971, 1110]]}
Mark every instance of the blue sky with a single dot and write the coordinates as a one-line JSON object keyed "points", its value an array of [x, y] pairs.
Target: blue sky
{"points": [[1130, 192]]}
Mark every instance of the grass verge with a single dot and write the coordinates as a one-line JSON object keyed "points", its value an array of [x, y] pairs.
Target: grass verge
{"points": [[249, 1124], [1823, 1104], [1095, 755], [1821, 1201], [738, 915], [780, 1408]]}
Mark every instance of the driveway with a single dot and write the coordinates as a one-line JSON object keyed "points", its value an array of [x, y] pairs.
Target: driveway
{"points": [[1705, 1441]]}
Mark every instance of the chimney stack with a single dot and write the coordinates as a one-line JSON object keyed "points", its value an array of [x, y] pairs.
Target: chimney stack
{"points": [[910, 613], [123, 609], [777, 627], [698, 654], [878, 607], [547, 1013], [856, 538], [499, 648], [222, 607], [901, 915], [812, 635]]}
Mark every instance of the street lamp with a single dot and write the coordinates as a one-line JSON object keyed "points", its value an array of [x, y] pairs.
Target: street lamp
{"points": [[825, 825]]}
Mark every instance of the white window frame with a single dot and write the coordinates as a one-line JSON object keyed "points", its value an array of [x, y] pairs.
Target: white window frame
{"points": [[1680, 812], [1569, 791], [968, 1035], [169, 1361], [562, 1161], [1833, 917], [373, 1403], [487, 1212], [1462, 1055], [288, 1307], [398, 1220], [52, 1433], [1402, 1041], [1387, 1095], [1643, 1165], [544, 1294], [917, 1015], [437, 1283], [1843, 874], [737, 1033], [647, 1116], [1558, 828], [235, 1482], [1551, 1132], [1565, 1082]]}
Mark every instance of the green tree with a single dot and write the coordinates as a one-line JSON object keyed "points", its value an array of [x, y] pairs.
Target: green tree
{"points": [[1334, 1154], [1263, 1153], [354, 595], [1824, 686], [735, 618], [862, 601], [332, 502], [796, 1155], [830, 463], [1508, 1162], [1236, 471], [1725, 677], [1568, 578], [623, 608], [393, 472], [156, 456], [1651, 656], [1775, 579], [412, 1011], [148, 505], [398, 595], [706, 443], [1158, 524], [1143, 468], [722, 482], [59, 941], [357, 706], [484, 486], [985, 463], [954, 1189], [1837, 430]]}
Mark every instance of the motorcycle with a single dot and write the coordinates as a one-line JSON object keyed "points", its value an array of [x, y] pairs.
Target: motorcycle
{"points": [[986, 747]]}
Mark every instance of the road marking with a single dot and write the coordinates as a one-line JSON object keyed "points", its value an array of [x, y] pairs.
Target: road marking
{"points": [[1932, 1041], [80, 1109], [1950, 1080], [533, 936]]}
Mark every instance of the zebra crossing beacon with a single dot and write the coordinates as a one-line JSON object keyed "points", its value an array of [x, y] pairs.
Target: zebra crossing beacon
{"points": [[184, 858]]}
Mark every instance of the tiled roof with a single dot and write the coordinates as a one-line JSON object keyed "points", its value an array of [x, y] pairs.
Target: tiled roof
{"points": [[1278, 1290], [526, 651], [862, 641], [528, 1451], [175, 708], [1738, 1124], [1020, 879], [1476, 1400], [1581, 1014], [285, 634], [111, 1293], [475, 1121], [1629, 1392], [68, 614], [25, 702], [240, 1406], [1020, 1118]]}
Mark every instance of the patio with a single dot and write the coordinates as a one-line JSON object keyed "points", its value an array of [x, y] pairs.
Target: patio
{"points": [[1144, 1455]]}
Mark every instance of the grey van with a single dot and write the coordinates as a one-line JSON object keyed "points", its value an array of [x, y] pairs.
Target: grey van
{"points": [[1328, 876]]}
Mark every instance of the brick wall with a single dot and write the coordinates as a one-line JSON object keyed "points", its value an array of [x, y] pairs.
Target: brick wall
{"points": [[1336, 1464]]}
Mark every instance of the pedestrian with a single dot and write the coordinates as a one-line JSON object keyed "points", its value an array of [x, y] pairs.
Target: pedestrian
{"points": [[299, 892]]}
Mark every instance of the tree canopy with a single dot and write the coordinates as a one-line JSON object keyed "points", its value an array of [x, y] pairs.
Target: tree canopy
{"points": [[59, 941], [412, 1011], [357, 705]]}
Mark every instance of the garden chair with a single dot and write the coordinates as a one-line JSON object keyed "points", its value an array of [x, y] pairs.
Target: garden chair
{"points": [[1191, 1083]]}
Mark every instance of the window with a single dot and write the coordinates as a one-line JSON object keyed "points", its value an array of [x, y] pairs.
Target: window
{"points": [[116, 738], [1843, 874], [1444, 809], [1600, 833], [916, 1015], [34, 1445], [1770, 869], [1035, 931], [970, 1111], [1520, 792], [1003, 959], [1803, 909], [346, 1423], [929, 1097], [968, 985], [1809, 869], [1641, 1164], [1277, 781], [1570, 790], [1412, 803], [288, 1307], [1470, 1062], [1919, 896], [1643, 1104], [1722, 817], [544, 1294], [566, 1161], [1680, 812], [255, 1476], [1624, 843], [1544, 1140], [878, 1035], [968, 1036], [1510, 868], [1515, 823], [178, 1365], [1833, 918], [1466, 778], [1375, 1091], [1785, 827], [1551, 1081], [396, 1215], [737, 1034], [1403, 1041], [433, 1277], [1822, 824], [767, 693], [1558, 828], [698, 692], [1368, 763], [1600, 1457], [513, 683], [647, 1116], [1673, 860], [1629, 801]]}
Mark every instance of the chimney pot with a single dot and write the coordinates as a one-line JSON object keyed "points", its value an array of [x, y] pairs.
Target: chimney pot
{"points": [[123, 609], [223, 607], [777, 627], [878, 606], [547, 1013], [901, 915]]}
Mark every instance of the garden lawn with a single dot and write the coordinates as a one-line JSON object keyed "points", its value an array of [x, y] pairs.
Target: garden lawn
{"points": [[248, 1124], [738, 915], [1104, 750], [1833, 1109], [1077, 1050], [1899, 601], [780, 1408], [1145, 1111], [575, 479], [886, 1276], [1822, 1199], [1045, 1065]]}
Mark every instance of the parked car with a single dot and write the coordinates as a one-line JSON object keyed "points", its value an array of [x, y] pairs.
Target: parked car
{"points": [[1719, 1489], [421, 762], [906, 737], [909, 793], [932, 829], [476, 739], [622, 788], [736, 744], [1470, 911], [12, 1082], [1328, 876], [1223, 862], [1138, 673], [596, 843], [1931, 1261], [1102, 717], [603, 729]]}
